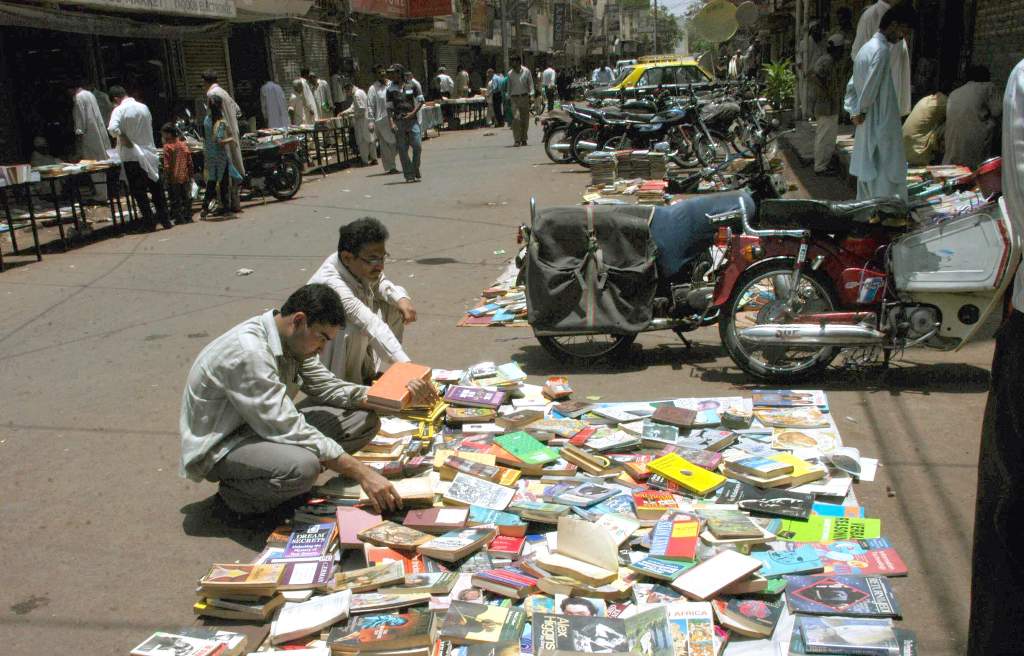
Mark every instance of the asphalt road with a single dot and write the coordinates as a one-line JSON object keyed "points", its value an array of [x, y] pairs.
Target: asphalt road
{"points": [[105, 541]]}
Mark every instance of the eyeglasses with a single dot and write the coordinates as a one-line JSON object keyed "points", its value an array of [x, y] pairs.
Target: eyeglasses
{"points": [[375, 260]]}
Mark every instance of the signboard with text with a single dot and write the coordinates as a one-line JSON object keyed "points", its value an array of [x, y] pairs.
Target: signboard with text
{"points": [[403, 8], [203, 8], [425, 8], [559, 23]]}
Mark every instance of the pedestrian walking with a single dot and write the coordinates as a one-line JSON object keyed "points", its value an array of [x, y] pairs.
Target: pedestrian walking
{"points": [[404, 102], [549, 82], [827, 78], [971, 115], [997, 573], [178, 172], [521, 91], [273, 105], [220, 173], [871, 100], [231, 113], [496, 85], [361, 123], [377, 109], [132, 125]]}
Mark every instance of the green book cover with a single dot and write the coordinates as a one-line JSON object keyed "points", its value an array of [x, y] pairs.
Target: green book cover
{"points": [[818, 528], [527, 448]]}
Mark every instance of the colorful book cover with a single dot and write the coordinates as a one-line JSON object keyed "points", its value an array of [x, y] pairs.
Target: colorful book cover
{"points": [[504, 544], [833, 594], [394, 631], [801, 560], [837, 510], [829, 529], [470, 623], [512, 577], [798, 417], [310, 540], [481, 515], [659, 568], [653, 502], [693, 628], [788, 398], [527, 448], [656, 432], [700, 457], [242, 575], [849, 635], [872, 557], [763, 615], [676, 538], [729, 524], [474, 396], [677, 469]]}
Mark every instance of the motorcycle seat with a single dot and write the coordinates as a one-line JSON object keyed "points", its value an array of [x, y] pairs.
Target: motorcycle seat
{"points": [[629, 116], [834, 217]]}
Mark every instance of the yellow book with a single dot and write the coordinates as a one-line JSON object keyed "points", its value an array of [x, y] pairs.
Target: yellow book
{"points": [[679, 470], [803, 471], [508, 476], [475, 456]]}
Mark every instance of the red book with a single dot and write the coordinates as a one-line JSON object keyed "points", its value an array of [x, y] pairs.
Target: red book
{"points": [[351, 521], [580, 438], [676, 538], [504, 545], [652, 504]]}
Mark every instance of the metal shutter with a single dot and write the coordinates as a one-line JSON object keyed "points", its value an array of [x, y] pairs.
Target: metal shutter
{"points": [[200, 54], [285, 53], [314, 50]]}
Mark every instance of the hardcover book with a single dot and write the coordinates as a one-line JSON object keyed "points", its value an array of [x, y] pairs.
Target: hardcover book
{"points": [[676, 538], [832, 594], [470, 623], [466, 490], [526, 448], [474, 397], [390, 391]]}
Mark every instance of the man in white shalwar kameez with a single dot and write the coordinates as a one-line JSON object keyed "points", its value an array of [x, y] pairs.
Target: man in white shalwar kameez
{"points": [[91, 138], [302, 104], [274, 105], [867, 25], [377, 110], [322, 94], [231, 114], [361, 124], [878, 160]]}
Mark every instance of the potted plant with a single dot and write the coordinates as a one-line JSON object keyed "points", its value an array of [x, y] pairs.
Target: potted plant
{"points": [[780, 87]]}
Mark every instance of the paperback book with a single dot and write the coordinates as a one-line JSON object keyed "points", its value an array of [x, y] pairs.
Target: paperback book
{"points": [[833, 594]]}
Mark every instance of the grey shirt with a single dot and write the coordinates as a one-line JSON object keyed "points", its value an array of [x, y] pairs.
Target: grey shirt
{"points": [[520, 83]]}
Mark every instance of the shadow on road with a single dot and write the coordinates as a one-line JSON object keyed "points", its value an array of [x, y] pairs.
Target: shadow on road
{"points": [[204, 519], [536, 361]]}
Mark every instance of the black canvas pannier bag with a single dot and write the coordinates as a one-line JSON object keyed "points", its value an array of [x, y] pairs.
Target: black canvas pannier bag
{"points": [[591, 269]]}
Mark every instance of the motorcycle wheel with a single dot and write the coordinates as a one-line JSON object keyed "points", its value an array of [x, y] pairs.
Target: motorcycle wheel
{"points": [[558, 136], [755, 300], [586, 349], [683, 153], [287, 183], [710, 152], [586, 134], [620, 142]]}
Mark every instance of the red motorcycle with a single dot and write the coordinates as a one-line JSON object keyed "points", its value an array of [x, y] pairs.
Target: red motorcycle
{"points": [[817, 277]]}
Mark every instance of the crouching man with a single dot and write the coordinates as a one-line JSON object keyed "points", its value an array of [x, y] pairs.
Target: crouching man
{"points": [[241, 428]]}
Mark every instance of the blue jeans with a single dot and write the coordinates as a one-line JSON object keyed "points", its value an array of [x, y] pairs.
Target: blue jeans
{"points": [[407, 134]]}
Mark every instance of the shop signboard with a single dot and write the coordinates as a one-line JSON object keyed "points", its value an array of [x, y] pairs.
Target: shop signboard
{"points": [[386, 8], [559, 22], [425, 8], [201, 8]]}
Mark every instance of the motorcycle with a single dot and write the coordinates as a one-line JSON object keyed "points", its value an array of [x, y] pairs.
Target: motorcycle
{"points": [[817, 278], [273, 166]]}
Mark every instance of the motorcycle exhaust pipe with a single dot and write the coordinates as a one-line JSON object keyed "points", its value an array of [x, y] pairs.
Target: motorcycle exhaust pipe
{"points": [[811, 334], [587, 146], [561, 147]]}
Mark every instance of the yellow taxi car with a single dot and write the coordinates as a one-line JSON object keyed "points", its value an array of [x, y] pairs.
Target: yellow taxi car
{"points": [[654, 71]]}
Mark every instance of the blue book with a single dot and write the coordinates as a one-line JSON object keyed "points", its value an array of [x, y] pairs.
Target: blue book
{"points": [[803, 560], [482, 310], [836, 510]]}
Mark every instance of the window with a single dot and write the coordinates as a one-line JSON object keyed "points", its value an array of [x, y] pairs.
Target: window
{"points": [[689, 75], [651, 78]]}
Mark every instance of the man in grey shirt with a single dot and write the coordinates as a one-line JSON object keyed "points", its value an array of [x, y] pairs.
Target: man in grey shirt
{"points": [[521, 90], [241, 428]]}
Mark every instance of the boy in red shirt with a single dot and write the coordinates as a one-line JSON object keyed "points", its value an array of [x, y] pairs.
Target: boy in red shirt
{"points": [[178, 172]]}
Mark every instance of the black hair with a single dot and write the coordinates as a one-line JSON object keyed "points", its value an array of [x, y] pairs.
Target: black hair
{"points": [[348, 84], [975, 73], [902, 13], [304, 71], [578, 601], [117, 92], [209, 76], [216, 105], [380, 67], [168, 128], [353, 236], [318, 302]]}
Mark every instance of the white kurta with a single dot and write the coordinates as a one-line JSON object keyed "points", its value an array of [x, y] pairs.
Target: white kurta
{"points": [[91, 137], [369, 340], [377, 109], [274, 105], [971, 114], [361, 125], [1013, 163], [878, 159], [900, 64], [231, 113], [132, 120], [324, 99], [303, 104]]}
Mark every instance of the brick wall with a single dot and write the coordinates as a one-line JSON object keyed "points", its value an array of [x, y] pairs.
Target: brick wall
{"points": [[999, 36]]}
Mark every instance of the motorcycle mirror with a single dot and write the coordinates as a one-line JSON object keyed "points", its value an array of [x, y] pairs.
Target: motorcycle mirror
{"points": [[188, 113]]}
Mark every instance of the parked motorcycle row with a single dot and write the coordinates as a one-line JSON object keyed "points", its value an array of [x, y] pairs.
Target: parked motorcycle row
{"points": [[792, 283]]}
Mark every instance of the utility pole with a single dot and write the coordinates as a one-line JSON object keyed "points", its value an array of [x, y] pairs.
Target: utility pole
{"points": [[655, 28], [504, 32]]}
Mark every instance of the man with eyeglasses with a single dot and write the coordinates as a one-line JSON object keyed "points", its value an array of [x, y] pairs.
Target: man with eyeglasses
{"points": [[376, 309]]}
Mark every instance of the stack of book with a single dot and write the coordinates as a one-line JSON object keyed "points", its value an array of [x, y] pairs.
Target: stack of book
{"points": [[603, 166], [652, 192]]}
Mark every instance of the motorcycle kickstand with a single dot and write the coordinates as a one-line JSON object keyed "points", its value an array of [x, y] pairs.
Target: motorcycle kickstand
{"points": [[687, 343]]}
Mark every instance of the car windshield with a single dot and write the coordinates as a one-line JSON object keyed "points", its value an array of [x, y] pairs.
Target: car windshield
{"points": [[623, 74], [688, 74]]}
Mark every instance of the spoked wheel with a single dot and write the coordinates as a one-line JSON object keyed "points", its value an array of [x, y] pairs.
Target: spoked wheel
{"points": [[586, 134], [618, 142], [558, 136], [287, 183], [760, 298], [710, 151], [586, 349], [683, 153]]}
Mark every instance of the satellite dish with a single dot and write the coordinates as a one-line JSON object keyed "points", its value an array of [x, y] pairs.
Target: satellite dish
{"points": [[747, 14], [716, 22]]}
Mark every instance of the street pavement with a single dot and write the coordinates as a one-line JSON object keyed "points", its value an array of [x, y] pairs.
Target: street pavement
{"points": [[105, 542]]}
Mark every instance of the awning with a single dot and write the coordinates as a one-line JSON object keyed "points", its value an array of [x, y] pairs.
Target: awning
{"points": [[194, 8], [91, 23], [269, 9]]}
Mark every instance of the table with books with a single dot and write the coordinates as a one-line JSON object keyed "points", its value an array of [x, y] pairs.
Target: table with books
{"points": [[535, 521]]}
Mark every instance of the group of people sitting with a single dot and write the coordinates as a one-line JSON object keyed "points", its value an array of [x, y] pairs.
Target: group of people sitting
{"points": [[240, 426]]}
